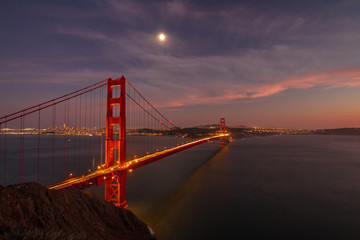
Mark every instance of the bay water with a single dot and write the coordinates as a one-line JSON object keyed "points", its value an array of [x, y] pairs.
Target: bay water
{"points": [[277, 187]]}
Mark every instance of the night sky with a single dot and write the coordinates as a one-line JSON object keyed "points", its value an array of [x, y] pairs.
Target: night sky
{"points": [[256, 63]]}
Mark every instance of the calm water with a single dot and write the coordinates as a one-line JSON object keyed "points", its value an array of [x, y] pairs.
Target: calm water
{"points": [[69, 154], [282, 187]]}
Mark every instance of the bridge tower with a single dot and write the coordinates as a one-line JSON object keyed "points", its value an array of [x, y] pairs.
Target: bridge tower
{"points": [[222, 131], [115, 143], [222, 125]]}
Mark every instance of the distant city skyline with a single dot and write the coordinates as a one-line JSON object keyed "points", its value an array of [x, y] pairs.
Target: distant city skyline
{"points": [[256, 63]]}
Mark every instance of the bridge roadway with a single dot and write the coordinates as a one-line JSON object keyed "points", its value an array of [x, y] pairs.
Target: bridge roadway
{"points": [[97, 177]]}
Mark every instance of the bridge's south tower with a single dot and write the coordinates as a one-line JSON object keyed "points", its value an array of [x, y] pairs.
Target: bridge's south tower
{"points": [[115, 143]]}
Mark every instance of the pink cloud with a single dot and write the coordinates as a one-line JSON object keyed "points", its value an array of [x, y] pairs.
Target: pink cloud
{"points": [[330, 79]]}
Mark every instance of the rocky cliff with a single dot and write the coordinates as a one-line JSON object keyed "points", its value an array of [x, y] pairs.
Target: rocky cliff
{"points": [[31, 211]]}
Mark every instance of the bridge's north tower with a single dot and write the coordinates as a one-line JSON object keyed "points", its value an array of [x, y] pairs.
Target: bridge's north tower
{"points": [[223, 140], [222, 125], [115, 143]]}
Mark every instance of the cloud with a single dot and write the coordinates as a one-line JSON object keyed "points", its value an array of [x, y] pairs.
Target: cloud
{"points": [[215, 54], [219, 79], [86, 33]]}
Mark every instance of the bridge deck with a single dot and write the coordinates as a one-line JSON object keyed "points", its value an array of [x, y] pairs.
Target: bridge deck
{"points": [[97, 177]]}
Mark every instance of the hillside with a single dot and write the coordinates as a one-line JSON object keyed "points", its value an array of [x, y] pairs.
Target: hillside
{"points": [[31, 211]]}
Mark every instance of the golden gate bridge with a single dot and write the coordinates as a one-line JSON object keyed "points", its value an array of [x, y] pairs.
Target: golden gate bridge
{"points": [[60, 139]]}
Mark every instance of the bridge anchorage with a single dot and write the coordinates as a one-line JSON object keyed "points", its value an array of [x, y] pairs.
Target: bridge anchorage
{"points": [[136, 134]]}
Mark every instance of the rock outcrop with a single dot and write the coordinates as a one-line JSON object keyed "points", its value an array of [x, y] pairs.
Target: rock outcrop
{"points": [[31, 211]]}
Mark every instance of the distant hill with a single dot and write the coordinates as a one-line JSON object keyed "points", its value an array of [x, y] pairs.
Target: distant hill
{"points": [[208, 126], [338, 131]]}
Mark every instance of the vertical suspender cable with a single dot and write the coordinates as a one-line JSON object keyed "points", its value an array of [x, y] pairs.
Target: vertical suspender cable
{"points": [[0, 140], [38, 160], [93, 127], [53, 144], [64, 140], [85, 123], [89, 129], [20, 150], [21, 147], [80, 129], [134, 124], [5, 152], [76, 133], [133, 127], [148, 127], [101, 126], [68, 138]]}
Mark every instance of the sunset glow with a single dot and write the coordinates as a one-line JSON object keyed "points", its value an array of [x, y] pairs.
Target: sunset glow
{"points": [[261, 61]]}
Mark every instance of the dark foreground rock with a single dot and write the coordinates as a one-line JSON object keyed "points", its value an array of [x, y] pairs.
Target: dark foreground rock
{"points": [[31, 211]]}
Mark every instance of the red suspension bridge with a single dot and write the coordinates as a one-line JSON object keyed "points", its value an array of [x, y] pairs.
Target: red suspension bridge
{"points": [[89, 137]]}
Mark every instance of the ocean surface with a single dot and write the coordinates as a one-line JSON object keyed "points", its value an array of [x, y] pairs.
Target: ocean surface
{"points": [[278, 187]]}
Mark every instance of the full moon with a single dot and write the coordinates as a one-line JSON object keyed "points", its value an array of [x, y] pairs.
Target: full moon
{"points": [[162, 37]]}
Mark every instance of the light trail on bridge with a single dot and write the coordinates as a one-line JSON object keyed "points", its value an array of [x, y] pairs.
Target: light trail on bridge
{"points": [[97, 177]]}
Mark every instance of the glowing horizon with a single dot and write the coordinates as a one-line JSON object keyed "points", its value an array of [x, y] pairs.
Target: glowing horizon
{"points": [[279, 68]]}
